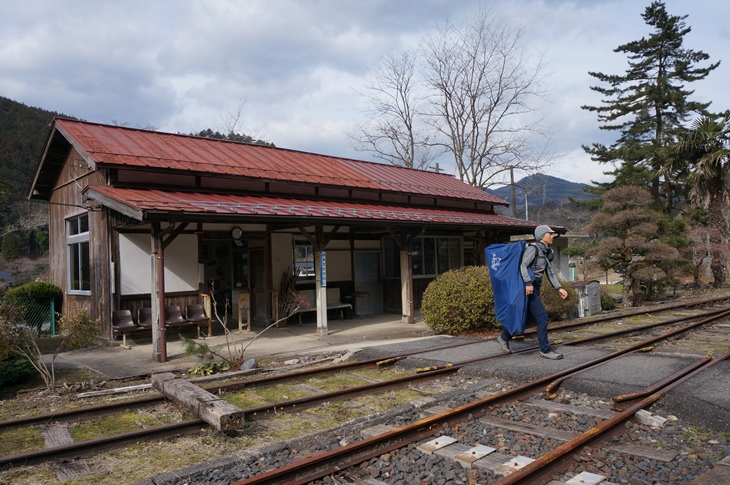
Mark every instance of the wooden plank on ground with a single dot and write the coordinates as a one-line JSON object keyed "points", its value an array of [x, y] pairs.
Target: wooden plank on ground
{"points": [[567, 408], [218, 413], [664, 456], [528, 428]]}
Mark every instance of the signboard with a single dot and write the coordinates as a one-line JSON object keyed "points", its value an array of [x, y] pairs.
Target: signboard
{"points": [[322, 269]]}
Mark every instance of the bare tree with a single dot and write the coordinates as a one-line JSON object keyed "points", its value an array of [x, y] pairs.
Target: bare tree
{"points": [[484, 82], [231, 124], [394, 130], [28, 216], [468, 93]]}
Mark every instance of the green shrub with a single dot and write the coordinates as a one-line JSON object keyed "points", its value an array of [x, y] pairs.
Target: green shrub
{"points": [[78, 329], [460, 300], [608, 302], [14, 368], [38, 290], [556, 307]]}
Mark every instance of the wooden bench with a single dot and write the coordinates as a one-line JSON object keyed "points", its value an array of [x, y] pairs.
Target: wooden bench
{"points": [[333, 302]]}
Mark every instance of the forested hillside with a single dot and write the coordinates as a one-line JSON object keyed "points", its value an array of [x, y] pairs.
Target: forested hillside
{"points": [[22, 134]]}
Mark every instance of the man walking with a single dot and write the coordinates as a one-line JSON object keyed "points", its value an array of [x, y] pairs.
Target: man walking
{"points": [[537, 258]]}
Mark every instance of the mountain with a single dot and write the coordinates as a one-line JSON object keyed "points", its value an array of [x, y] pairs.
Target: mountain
{"points": [[22, 134], [542, 190]]}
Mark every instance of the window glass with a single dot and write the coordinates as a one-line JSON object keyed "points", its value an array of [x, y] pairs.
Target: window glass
{"points": [[417, 257], [79, 267], [454, 253], [443, 255], [429, 255], [391, 257], [303, 253]]}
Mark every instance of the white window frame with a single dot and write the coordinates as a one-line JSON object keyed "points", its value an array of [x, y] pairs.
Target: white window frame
{"points": [[74, 244]]}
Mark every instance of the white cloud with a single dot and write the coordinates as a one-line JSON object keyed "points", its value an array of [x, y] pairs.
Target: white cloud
{"points": [[182, 65]]}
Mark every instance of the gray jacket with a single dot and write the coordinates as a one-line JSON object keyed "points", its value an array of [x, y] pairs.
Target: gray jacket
{"points": [[535, 258]]}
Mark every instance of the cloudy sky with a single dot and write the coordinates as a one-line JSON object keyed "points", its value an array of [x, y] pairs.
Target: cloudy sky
{"points": [[296, 66]]}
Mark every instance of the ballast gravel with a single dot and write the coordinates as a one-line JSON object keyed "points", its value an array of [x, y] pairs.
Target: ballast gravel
{"points": [[695, 451]]}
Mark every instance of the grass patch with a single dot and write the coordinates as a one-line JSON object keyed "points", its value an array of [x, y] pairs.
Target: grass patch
{"points": [[245, 399], [384, 401], [32, 476], [20, 440], [348, 381], [117, 424], [282, 392], [337, 382]]}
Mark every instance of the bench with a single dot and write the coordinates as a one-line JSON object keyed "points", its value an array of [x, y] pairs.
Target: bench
{"points": [[123, 321], [333, 302]]}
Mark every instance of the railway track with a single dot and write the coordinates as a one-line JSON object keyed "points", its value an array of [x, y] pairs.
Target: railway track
{"points": [[194, 426], [547, 465]]}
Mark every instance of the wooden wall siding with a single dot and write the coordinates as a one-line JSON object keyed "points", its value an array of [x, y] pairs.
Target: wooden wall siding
{"points": [[66, 201]]}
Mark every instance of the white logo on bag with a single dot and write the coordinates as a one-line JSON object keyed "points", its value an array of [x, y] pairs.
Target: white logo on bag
{"points": [[495, 262]]}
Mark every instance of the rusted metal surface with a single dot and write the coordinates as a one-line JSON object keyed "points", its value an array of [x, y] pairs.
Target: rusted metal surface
{"points": [[115, 146], [623, 401], [551, 388], [540, 470], [325, 463], [96, 446], [138, 202]]}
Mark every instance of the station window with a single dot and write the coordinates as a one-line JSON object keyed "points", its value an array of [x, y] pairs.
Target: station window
{"points": [[430, 256], [303, 255], [77, 243]]}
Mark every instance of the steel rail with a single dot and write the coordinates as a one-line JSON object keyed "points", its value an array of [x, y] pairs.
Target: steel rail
{"points": [[99, 445], [550, 388], [624, 400], [252, 414], [641, 328], [106, 409], [194, 425], [540, 470], [645, 311], [322, 464]]}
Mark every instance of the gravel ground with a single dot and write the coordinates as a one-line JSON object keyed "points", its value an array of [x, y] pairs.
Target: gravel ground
{"points": [[696, 450]]}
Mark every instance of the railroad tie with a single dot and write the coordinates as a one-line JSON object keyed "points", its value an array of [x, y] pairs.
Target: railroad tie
{"points": [[58, 435]]}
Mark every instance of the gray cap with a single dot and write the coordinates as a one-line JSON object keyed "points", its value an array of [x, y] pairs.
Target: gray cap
{"points": [[540, 231]]}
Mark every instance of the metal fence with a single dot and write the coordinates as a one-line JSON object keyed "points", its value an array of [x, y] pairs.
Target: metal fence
{"points": [[38, 314]]}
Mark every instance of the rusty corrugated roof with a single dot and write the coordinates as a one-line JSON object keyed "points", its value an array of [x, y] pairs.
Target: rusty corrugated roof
{"points": [[115, 146], [141, 201]]}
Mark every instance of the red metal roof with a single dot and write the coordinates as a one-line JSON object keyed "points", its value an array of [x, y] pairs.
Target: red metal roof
{"points": [[146, 200], [116, 146]]}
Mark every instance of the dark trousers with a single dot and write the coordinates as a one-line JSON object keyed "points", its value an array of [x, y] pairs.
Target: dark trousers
{"points": [[537, 311]]}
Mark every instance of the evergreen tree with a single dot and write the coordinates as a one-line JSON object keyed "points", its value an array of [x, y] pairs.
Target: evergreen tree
{"points": [[638, 242], [649, 105]]}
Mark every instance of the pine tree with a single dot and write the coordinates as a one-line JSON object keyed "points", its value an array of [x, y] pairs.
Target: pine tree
{"points": [[649, 106]]}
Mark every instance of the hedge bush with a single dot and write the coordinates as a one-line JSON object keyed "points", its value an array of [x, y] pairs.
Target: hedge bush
{"points": [[460, 300], [38, 290], [14, 368], [556, 307], [608, 302]]}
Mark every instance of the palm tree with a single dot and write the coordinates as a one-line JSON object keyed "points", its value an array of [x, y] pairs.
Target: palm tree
{"points": [[707, 144]]}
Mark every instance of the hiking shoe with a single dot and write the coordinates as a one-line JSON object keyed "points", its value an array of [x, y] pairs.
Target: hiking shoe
{"points": [[552, 355], [504, 345]]}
